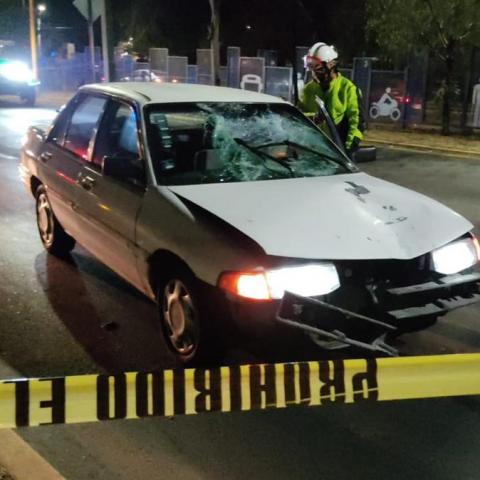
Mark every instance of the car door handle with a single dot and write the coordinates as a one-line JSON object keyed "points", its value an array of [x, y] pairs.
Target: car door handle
{"points": [[87, 183], [45, 156]]}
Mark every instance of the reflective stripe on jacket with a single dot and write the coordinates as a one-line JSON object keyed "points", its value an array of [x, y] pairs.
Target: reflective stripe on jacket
{"points": [[342, 101]]}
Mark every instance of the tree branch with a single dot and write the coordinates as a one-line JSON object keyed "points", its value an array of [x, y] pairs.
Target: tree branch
{"points": [[466, 33], [441, 33]]}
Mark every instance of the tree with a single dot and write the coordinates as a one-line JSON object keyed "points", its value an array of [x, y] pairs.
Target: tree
{"points": [[446, 27], [179, 25], [14, 21]]}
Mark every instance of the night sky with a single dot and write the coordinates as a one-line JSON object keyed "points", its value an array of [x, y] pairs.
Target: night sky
{"points": [[182, 25]]}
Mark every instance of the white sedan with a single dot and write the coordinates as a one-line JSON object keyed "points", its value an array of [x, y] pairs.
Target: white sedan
{"points": [[229, 207]]}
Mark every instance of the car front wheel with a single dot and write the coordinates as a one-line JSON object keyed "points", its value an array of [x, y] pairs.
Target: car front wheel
{"points": [[54, 238], [182, 312]]}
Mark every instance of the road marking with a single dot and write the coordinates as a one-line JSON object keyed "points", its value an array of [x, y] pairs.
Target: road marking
{"points": [[17, 456]]}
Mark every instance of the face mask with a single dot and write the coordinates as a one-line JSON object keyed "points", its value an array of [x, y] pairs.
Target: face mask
{"points": [[321, 73]]}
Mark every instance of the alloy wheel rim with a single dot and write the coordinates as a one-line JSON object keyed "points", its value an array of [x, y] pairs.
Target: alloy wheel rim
{"points": [[179, 316], [45, 220]]}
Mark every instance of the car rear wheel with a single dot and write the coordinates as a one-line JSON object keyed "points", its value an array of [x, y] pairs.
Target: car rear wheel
{"points": [[54, 238], [182, 312]]}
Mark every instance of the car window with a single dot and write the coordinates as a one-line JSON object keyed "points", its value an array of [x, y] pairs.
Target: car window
{"points": [[118, 140], [57, 133], [235, 142], [118, 135], [83, 124]]}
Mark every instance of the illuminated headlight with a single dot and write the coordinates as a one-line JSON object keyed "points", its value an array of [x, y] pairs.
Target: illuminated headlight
{"points": [[16, 72], [456, 256], [306, 280]]}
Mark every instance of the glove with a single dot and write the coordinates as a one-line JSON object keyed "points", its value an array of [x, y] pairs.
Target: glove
{"points": [[353, 146]]}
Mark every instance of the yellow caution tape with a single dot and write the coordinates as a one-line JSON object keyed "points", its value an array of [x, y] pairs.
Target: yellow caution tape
{"points": [[91, 398]]}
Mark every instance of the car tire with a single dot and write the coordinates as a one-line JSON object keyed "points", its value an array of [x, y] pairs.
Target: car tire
{"points": [[182, 311], [29, 97], [54, 238]]}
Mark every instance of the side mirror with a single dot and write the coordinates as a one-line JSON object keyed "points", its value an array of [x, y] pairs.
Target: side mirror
{"points": [[368, 153], [124, 168]]}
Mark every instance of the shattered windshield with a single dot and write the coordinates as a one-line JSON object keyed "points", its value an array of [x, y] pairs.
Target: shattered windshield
{"points": [[237, 142]]}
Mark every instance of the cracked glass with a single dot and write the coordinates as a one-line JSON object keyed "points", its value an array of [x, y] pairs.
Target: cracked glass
{"points": [[237, 142]]}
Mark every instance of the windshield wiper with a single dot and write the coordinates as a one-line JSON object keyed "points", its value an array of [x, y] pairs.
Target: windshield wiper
{"points": [[261, 154], [289, 143]]}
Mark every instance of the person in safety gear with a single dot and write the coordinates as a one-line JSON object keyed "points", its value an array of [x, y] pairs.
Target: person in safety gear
{"points": [[341, 96]]}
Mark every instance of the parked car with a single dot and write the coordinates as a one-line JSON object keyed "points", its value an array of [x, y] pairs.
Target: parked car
{"points": [[143, 75], [229, 205], [16, 78]]}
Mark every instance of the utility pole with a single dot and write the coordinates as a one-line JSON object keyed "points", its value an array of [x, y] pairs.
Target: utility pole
{"points": [[91, 39], [33, 37], [105, 45]]}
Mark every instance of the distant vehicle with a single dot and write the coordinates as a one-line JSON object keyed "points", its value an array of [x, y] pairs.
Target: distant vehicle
{"points": [[16, 78], [143, 75], [230, 207]]}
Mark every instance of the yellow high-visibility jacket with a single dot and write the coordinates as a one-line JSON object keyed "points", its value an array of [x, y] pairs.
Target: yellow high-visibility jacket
{"points": [[342, 101]]}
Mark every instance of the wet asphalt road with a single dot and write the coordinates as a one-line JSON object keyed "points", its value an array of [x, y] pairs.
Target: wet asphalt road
{"points": [[61, 318]]}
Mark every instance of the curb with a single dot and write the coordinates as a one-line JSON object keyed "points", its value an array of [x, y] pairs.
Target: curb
{"points": [[423, 148], [53, 100]]}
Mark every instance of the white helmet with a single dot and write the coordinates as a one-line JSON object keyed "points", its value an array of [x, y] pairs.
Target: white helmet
{"points": [[321, 52]]}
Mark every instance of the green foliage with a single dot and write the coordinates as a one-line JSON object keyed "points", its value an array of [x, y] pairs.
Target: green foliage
{"points": [[445, 27], [13, 21], [166, 23], [440, 93], [400, 25]]}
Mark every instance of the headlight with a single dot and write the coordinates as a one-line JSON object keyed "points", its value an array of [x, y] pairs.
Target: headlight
{"points": [[456, 256], [16, 72], [306, 280]]}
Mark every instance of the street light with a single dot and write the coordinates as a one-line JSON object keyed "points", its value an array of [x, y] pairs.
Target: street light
{"points": [[41, 9]]}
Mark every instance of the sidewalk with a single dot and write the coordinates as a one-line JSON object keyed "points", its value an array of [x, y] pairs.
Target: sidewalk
{"points": [[428, 141], [49, 99]]}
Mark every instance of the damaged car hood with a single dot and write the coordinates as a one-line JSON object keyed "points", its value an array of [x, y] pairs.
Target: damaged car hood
{"points": [[350, 216]]}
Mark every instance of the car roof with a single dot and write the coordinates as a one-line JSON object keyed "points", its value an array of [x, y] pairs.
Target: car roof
{"points": [[152, 92]]}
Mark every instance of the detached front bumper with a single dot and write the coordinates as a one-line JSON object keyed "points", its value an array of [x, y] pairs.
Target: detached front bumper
{"points": [[432, 298], [396, 310]]}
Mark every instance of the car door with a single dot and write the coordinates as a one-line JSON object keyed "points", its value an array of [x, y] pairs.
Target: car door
{"points": [[64, 153], [109, 205]]}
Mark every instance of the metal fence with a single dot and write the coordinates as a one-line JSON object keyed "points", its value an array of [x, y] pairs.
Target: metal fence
{"points": [[391, 97], [385, 97], [69, 74]]}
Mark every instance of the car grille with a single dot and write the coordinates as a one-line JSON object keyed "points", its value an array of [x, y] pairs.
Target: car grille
{"points": [[391, 273]]}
